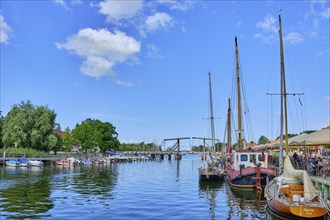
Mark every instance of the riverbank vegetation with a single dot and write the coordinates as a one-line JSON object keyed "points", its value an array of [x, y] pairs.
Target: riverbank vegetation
{"points": [[28, 126]]}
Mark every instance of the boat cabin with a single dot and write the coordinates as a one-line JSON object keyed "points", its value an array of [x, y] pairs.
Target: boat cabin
{"points": [[250, 158]]}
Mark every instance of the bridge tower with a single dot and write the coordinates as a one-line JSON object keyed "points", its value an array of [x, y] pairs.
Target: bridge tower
{"points": [[176, 147]]}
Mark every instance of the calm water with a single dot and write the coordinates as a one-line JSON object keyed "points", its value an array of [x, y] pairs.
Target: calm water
{"points": [[145, 190]]}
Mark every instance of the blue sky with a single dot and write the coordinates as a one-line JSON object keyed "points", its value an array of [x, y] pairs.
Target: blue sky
{"points": [[142, 65]]}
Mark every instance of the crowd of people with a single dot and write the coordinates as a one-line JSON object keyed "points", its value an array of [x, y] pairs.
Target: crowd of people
{"points": [[317, 164]]}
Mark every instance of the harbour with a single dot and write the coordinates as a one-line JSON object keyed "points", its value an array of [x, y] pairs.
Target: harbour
{"points": [[102, 108], [168, 189], [153, 189]]}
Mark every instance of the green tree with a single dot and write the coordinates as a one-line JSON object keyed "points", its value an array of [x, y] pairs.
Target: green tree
{"points": [[28, 126], [67, 139], [218, 146], [43, 125], [263, 140], [94, 133], [54, 142], [1, 125]]}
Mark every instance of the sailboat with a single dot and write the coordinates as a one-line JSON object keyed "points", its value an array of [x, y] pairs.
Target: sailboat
{"points": [[245, 168], [292, 194], [213, 171]]}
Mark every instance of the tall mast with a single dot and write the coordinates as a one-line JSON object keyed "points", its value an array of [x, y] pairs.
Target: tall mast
{"points": [[211, 117], [283, 92], [240, 141], [229, 126]]}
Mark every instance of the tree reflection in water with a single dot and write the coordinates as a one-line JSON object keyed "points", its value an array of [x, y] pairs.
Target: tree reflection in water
{"points": [[29, 198]]}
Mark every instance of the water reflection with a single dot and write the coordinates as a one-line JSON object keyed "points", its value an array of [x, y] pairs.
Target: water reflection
{"points": [[28, 200], [149, 190], [95, 180], [246, 204], [210, 191]]}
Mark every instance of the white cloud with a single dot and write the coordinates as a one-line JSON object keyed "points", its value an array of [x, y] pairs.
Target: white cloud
{"points": [[325, 13], [101, 49], [327, 98], [266, 39], [118, 10], [124, 83], [64, 3], [179, 5], [320, 2], [76, 2], [158, 21], [312, 34], [153, 52], [268, 24], [60, 2], [268, 29], [93, 115], [5, 30], [130, 141], [293, 38]]}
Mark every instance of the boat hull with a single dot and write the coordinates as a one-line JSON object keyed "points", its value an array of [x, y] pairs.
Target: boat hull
{"points": [[62, 162], [36, 163], [247, 177], [211, 175], [296, 212], [11, 163]]}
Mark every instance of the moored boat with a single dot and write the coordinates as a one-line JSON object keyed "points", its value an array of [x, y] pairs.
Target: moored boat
{"points": [[36, 163], [12, 163], [213, 173], [85, 162], [213, 170], [248, 169], [73, 161], [292, 194], [94, 160], [245, 167], [62, 162], [23, 162]]}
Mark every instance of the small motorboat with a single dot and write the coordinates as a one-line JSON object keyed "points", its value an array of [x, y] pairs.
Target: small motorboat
{"points": [[73, 161], [36, 163], [86, 162], [95, 160], [62, 162], [11, 163], [24, 162]]}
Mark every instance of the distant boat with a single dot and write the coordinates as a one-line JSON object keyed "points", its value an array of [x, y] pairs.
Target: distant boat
{"points": [[73, 161], [62, 162], [11, 163], [213, 170], [94, 160], [292, 194], [23, 162], [245, 168], [36, 163], [85, 162]]}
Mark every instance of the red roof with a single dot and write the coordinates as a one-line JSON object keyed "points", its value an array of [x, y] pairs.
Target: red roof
{"points": [[58, 132]]}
